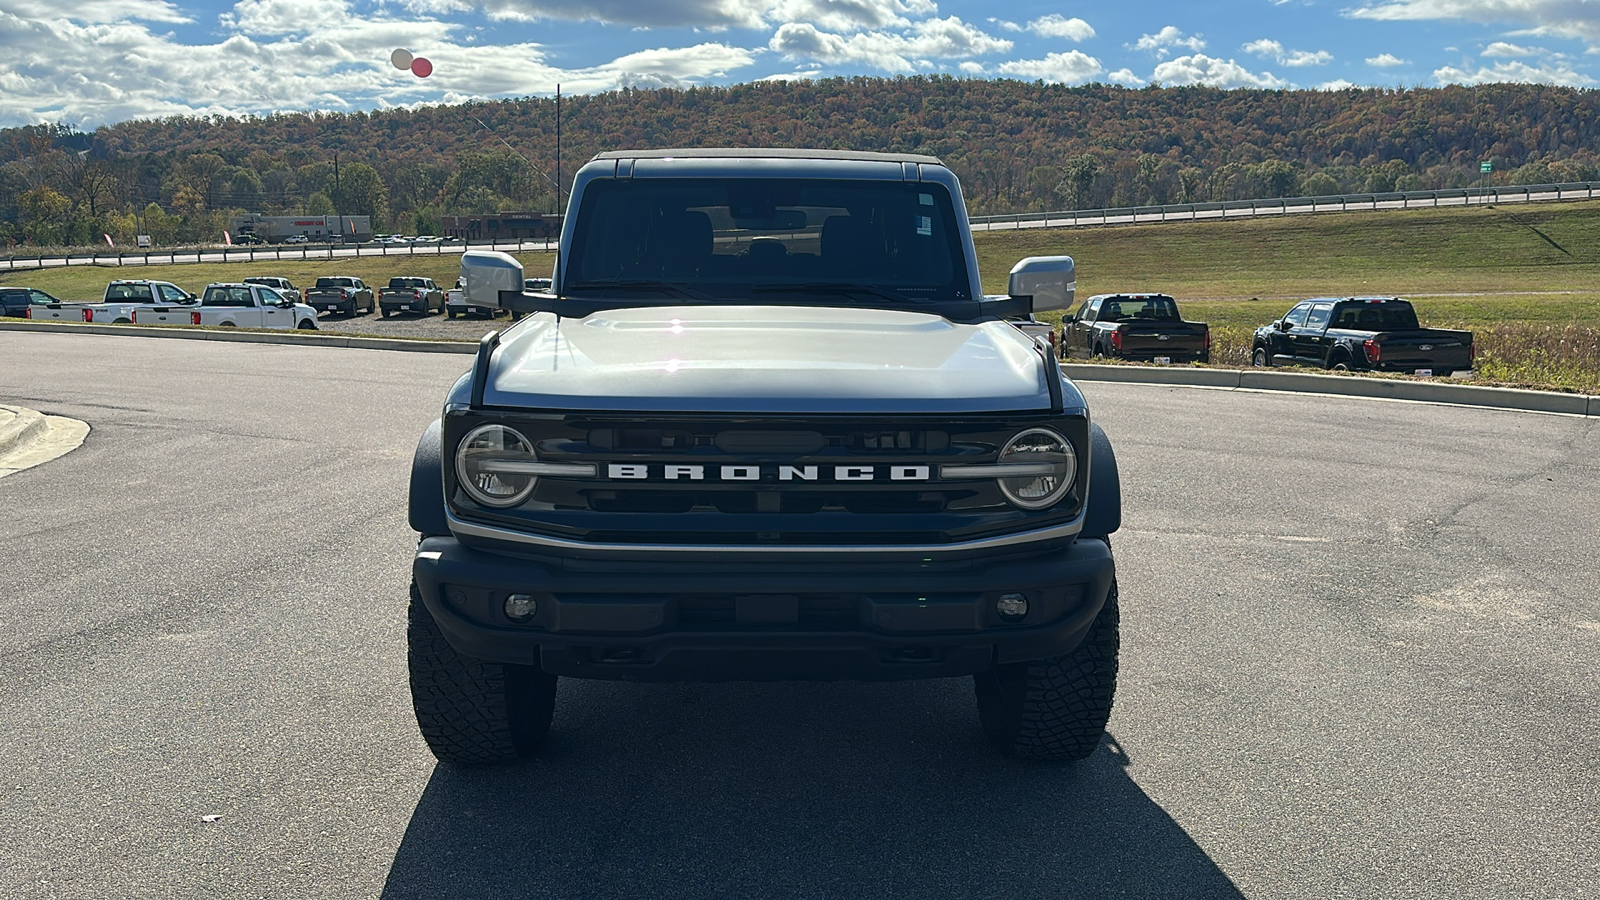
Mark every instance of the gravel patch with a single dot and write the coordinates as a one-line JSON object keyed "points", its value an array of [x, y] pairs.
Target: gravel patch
{"points": [[410, 325]]}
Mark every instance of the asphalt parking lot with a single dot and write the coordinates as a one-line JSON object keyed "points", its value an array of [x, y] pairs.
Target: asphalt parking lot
{"points": [[1360, 644], [412, 325]]}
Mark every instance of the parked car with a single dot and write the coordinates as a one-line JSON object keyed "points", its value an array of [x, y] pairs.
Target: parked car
{"points": [[297, 239], [230, 305], [117, 306], [1134, 326], [247, 239], [341, 293], [281, 285], [14, 301], [1039, 331], [1361, 333], [411, 294]]}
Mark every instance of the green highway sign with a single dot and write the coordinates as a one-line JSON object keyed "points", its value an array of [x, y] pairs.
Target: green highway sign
{"points": [[1486, 167]]}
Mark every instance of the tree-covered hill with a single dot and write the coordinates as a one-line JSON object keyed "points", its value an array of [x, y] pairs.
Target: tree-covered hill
{"points": [[1016, 145]]}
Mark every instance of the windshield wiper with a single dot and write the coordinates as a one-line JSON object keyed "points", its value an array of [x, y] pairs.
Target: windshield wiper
{"points": [[834, 287], [663, 286]]}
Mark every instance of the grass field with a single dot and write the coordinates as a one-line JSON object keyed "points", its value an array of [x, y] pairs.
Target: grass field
{"points": [[1524, 278]]}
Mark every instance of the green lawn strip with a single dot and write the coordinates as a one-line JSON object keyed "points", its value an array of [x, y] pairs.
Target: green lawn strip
{"points": [[1434, 251]]}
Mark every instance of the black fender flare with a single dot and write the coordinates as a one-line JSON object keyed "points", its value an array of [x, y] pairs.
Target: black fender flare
{"points": [[1103, 513], [427, 484]]}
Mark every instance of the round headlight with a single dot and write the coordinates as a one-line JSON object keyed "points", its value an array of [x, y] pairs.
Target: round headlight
{"points": [[492, 465], [1046, 466]]}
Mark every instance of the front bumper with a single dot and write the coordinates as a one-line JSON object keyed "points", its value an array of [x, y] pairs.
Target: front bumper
{"points": [[718, 620]]}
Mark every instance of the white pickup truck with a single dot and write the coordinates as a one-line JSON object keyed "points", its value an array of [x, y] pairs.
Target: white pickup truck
{"points": [[234, 306], [117, 308]]}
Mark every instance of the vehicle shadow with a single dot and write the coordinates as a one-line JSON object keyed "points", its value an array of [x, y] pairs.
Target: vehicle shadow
{"points": [[816, 790]]}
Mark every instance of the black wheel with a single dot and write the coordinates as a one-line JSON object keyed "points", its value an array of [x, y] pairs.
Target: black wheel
{"points": [[307, 325], [449, 313], [123, 322], [1260, 359], [1099, 351], [372, 305], [387, 312], [1054, 709], [471, 711], [1340, 365], [351, 311], [515, 315]]}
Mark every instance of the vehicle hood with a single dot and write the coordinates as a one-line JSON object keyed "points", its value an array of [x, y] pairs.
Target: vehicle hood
{"points": [[767, 359]]}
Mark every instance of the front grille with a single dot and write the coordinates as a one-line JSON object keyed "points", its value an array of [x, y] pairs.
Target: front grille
{"points": [[765, 482]]}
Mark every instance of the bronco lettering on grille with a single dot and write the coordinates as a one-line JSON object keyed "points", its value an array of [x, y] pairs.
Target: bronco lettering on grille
{"points": [[683, 472]]}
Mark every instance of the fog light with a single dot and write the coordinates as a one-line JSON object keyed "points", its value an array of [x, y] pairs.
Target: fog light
{"points": [[522, 607], [1012, 606]]}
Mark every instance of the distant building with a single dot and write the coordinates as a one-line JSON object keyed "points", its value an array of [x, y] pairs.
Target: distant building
{"points": [[273, 229], [505, 226]]}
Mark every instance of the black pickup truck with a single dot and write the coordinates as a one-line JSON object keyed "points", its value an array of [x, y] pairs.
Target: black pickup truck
{"points": [[1361, 334], [1134, 326]]}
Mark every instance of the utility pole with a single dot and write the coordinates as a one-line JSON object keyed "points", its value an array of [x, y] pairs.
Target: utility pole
{"points": [[338, 205], [561, 210]]}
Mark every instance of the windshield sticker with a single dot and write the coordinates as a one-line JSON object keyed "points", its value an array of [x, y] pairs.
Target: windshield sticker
{"points": [[925, 225], [925, 199]]}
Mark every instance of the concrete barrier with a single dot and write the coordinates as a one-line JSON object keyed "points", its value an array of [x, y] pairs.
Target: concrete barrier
{"points": [[297, 338]]}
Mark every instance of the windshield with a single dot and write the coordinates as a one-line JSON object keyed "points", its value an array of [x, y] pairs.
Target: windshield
{"points": [[405, 282], [1389, 316], [1139, 309], [725, 238]]}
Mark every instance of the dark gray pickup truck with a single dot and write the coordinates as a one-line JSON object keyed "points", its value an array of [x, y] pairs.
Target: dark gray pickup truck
{"points": [[1360, 334], [1143, 327]]}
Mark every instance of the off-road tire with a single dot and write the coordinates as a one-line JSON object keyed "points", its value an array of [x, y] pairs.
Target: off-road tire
{"points": [[469, 710], [1054, 709]]}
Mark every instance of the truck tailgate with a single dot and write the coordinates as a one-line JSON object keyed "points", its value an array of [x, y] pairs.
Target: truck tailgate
{"points": [[1162, 339], [1434, 350], [163, 315]]}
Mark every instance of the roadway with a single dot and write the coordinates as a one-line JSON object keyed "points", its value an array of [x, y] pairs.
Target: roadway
{"points": [[1359, 661]]}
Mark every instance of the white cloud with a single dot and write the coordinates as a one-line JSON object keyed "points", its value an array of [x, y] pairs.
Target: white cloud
{"points": [[1517, 72], [1299, 58], [1166, 40], [1004, 25], [971, 68], [1501, 48], [95, 12], [1126, 77], [1271, 49], [1222, 73], [1386, 61], [835, 15], [806, 75], [1563, 18], [87, 75], [1268, 48], [1338, 84], [1057, 26], [925, 41], [1071, 67]]}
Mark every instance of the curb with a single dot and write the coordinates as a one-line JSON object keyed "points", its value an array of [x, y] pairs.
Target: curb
{"points": [[298, 338], [1344, 385], [18, 426], [1227, 379]]}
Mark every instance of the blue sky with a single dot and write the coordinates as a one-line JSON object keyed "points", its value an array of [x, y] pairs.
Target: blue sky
{"points": [[92, 62]]}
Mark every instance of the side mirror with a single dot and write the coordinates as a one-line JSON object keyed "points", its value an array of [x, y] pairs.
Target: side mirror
{"points": [[1049, 281], [286, 304], [1282, 324], [487, 274]]}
